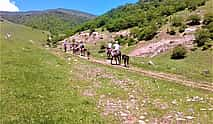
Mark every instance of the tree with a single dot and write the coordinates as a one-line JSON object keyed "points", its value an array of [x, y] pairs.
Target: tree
{"points": [[179, 52]]}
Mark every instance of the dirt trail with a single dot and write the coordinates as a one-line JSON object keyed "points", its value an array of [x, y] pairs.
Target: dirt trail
{"points": [[160, 75]]}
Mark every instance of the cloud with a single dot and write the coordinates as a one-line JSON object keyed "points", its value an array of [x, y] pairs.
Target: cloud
{"points": [[7, 5]]}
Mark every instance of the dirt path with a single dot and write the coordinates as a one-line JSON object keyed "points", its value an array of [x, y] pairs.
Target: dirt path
{"points": [[160, 75]]}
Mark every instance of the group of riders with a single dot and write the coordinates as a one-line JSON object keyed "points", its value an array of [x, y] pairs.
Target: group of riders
{"points": [[112, 50]]}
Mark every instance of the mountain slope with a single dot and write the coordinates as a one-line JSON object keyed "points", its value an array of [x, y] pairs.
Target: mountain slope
{"points": [[148, 15], [54, 20]]}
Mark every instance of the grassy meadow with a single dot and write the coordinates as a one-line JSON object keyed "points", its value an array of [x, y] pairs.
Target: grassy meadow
{"points": [[35, 85]]}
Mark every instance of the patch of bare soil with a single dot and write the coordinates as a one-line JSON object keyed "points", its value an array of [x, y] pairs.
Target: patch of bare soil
{"points": [[95, 37], [164, 42]]}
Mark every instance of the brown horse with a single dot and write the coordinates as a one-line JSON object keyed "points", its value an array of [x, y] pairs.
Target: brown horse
{"points": [[125, 58], [117, 56]]}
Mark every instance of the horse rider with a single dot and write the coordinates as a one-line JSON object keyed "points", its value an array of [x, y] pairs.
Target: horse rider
{"points": [[81, 46], [116, 49], [65, 45]]}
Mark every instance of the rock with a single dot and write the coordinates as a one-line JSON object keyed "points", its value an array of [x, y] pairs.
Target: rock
{"points": [[190, 117], [180, 119], [210, 109], [123, 114], [142, 117], [69, 59], [141, 122], [174, 102], [150, 62], [206, 72], [203, 109], [75, 60]]}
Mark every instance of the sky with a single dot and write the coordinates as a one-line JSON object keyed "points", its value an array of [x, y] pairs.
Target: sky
{"points": [[96, 7]]}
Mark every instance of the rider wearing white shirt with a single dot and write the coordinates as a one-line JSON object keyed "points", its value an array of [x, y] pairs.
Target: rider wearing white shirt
{"points": [[109, 45], [116, 46]]}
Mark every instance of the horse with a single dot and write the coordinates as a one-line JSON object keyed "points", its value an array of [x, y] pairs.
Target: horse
{"points": [[75, 48], [83, 51], [125, 58], [117, 56], [108, 52]]}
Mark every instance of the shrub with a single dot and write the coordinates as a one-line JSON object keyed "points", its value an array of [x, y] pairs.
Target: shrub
{"points": [[206, 46], [147, 33], [171, 31], [179, 52], [208, 18], [194, 19], [177, 21], [131, 41], [182, 28], [201, 37], [102, 49]]}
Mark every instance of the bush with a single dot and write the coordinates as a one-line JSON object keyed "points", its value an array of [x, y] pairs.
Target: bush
{"points": [[208, 18], [201, 37], [131, 41], [147, 33], [182, 28], [206, 46], [177, 21], [171, 31], [194, 19], [179, 52]]}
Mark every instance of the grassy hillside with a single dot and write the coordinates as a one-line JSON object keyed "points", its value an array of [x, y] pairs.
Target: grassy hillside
{"points": [[38, 87], [193, 66], [147, 16], [35, 85], [55, 20]]}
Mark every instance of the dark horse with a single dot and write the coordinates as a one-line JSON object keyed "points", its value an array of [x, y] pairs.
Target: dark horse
{"points": [[117, 56], [125, 58], [108, 52]]}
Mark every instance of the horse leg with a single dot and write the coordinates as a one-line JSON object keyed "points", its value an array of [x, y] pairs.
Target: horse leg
{"points": [[124, 59], [119, 59], [116, 60], [111, 60]]}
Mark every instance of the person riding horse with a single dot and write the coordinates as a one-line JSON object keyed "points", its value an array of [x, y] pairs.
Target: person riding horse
{"points": [[109, 50], [116, 53], [82, 48], [65, 45]]}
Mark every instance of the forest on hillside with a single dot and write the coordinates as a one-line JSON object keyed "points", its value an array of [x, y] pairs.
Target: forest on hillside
{"points": [[146, 16]]}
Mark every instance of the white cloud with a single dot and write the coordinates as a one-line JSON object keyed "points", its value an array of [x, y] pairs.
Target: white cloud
{"points": [[7, 5]]}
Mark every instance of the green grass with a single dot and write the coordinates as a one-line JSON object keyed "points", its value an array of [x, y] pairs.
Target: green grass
{"points": [[148, 89], [38, 87], [35, 86], [191, 67]]}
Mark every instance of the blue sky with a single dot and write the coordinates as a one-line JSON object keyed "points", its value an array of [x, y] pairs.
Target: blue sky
{"points": [[96, 7]]}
